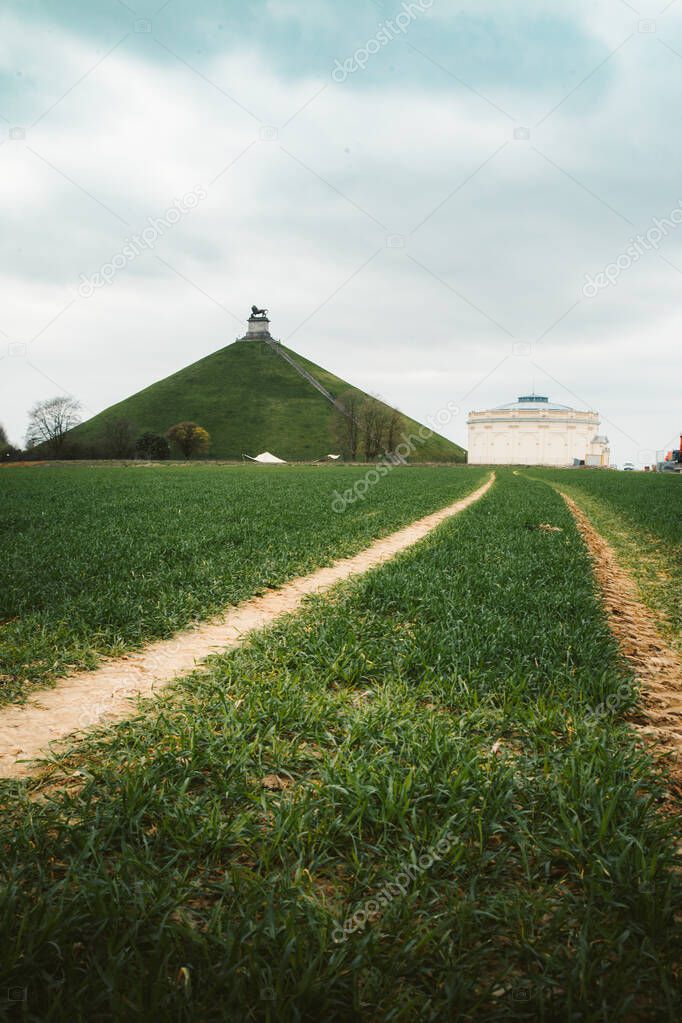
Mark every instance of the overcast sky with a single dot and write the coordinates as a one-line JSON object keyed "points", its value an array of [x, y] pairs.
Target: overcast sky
{"points": [[431, 226]]}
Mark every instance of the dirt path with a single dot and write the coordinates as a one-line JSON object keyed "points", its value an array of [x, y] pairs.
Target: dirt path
{"points": [[104, 695], [657, 666]]}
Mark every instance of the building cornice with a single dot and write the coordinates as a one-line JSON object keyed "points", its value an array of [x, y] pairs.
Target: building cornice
{"points": [[586, 418]]}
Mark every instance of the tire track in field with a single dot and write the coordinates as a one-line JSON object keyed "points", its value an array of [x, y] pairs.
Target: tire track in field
{"points": [[657, 665], [106, 695]]}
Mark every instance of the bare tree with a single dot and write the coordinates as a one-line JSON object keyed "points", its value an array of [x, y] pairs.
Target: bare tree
{"points": [[370, 427], [49, 422], [396, 423], [374, 421], [347, 428], [119, 438], [367, 425]]}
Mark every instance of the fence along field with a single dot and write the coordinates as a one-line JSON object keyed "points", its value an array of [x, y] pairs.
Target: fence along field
{"points": [[98, 561], [414, 801]]}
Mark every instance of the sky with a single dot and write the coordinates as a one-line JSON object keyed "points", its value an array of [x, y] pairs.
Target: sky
{"points": [[440, 201]]}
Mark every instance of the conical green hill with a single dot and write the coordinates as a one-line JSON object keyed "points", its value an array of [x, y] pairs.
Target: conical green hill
{"points": [[250, 400]]}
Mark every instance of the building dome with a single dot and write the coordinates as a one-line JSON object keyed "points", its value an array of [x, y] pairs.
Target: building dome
{"points": [[534, 402], [536, 431]]}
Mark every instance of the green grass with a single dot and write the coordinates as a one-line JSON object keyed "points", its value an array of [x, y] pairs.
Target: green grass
{"points": [[250, 400], [449, 693], [640, 514], [650, 502], [99, 560]]}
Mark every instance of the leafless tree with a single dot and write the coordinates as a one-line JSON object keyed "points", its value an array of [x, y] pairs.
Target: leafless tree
{"points": [[49, 422], [370, 428], [119, 438], [374, 421], [347, 428], [396, 424]]}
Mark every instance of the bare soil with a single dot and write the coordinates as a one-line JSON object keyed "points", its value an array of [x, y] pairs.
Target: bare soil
{"points": [[658, 667]]}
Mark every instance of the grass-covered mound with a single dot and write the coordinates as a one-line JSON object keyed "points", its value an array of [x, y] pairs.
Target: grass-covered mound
{"points": [[250, 400]]}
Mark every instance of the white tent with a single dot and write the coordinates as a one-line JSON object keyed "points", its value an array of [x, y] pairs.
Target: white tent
{"points": [[266, 458]]}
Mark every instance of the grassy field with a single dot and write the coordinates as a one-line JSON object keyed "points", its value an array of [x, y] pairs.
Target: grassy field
{"points": [[250, 400], [650, 502], [99, 560], [640, 514], [410, 802]]}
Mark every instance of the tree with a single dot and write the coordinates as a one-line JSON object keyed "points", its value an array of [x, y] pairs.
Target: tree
{"points": [[49, 422], [367, 424], [152, 446], [119, 438], [346, 427], [8, 453], [396, 423], [192, 440], [374, 421]]}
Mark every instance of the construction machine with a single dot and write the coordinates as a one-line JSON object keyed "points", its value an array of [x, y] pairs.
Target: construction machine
{"points": [[672, 461]]}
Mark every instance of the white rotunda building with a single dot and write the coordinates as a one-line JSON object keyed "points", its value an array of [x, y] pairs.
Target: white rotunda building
{"points": [[536, 431]]}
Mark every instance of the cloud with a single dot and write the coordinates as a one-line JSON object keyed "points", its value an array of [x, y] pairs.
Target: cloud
{"points": [[400, 229]]}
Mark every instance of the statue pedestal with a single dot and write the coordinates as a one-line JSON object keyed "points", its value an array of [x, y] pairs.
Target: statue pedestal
{"points": [[259, 327]]}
